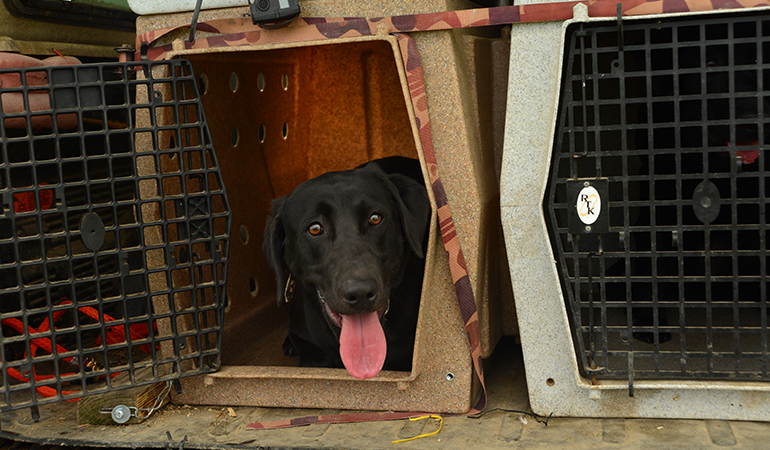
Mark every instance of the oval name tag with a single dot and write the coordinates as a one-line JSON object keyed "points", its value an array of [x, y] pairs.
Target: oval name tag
{"points": [[589, 205]]}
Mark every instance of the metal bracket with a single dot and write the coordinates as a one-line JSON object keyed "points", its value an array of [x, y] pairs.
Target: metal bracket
{"points": [[194, 23]]}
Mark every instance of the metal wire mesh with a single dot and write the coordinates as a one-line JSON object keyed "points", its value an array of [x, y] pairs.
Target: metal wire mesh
{"points": [[671, 115], [114, 230]]}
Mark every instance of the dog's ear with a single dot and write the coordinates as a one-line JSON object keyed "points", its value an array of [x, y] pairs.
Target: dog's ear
{"points": [[414, 209], [272, 247]]}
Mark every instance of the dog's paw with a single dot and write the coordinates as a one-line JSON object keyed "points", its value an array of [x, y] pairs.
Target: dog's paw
{"points": [[289, 349]]}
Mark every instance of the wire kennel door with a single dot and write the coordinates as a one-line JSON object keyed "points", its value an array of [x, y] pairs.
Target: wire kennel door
{"points": [[669, 115], [566, 372], [112, 260]]}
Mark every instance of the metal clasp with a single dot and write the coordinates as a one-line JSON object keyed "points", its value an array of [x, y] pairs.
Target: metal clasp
{"points": [[122, 413]]}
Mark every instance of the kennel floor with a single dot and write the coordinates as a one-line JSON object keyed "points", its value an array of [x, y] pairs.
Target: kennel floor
{"points": [[201, 427]]}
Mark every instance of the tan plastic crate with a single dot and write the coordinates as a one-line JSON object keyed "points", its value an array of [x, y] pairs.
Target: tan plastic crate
{"points": [[466, 76], [282, 115]]}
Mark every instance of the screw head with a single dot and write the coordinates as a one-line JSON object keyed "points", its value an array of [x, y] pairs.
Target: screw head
{"points": [[121, 414]]}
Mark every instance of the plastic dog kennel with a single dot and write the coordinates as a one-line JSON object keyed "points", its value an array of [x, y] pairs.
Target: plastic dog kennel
{"points": [[465, 78], [634, 199], [113, 257], [281, 116], [294, 108]]}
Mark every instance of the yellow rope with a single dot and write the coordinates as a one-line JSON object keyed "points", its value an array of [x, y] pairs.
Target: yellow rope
{"points": [[440, 424]]}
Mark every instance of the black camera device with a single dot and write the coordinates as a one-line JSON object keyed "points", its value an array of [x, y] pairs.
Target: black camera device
{"points": [[272, 11]]}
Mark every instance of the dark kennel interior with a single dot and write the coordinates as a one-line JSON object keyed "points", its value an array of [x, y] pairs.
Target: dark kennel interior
{"points": [[112, 257], [279, 117], [666, 121]]}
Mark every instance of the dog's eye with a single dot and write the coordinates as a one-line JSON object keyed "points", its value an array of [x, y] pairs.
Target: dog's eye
{"points": [[315, 229], [375, 219]]}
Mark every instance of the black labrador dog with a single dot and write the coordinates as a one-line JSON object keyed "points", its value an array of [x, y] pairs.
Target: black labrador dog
{"points": [[354, 244]]}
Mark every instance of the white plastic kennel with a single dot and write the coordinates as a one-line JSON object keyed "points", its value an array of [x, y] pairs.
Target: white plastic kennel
{"points": [[694, 289]]}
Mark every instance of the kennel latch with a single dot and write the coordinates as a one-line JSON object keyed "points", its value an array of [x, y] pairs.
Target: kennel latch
{"points": [[122, 413]]}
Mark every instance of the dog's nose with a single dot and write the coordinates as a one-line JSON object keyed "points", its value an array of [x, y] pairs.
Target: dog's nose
{"points": [[358, 291]]}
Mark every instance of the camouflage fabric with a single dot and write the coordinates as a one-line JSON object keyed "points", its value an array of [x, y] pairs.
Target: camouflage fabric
{"points": [[457, 265], [333, 418], [240, 31]]}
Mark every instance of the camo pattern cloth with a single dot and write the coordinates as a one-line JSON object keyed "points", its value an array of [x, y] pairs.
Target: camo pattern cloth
{"points": [[457, 265], [240, 31]]}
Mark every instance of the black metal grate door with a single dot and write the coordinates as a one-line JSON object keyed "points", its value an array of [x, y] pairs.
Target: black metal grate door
{"points": [[114, 230], [657, 197]]}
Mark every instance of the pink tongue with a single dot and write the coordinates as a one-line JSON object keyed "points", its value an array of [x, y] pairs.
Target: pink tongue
{"points": [[362, 345]]}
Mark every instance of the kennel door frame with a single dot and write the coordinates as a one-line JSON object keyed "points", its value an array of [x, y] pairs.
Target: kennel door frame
{"points": [[554, 382]]}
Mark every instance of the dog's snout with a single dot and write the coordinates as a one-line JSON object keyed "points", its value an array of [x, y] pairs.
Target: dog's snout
{"points": [[357, 292]]}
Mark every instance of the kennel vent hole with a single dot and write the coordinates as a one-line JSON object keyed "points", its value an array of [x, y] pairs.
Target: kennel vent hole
{"points": [[253, 287], [262, 133], [244, 233]]}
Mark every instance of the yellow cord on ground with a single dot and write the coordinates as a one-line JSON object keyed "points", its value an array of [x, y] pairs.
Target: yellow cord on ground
{"points": [[440, 424]]}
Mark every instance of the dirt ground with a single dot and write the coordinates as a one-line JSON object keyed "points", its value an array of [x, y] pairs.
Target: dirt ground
{"points": [[204, 427]]}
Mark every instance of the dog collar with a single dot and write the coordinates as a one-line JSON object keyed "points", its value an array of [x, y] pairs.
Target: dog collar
{"points": [[288, 291]]}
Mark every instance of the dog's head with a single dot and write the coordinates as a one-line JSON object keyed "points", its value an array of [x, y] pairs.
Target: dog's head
{"points": [[346, 237]]}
